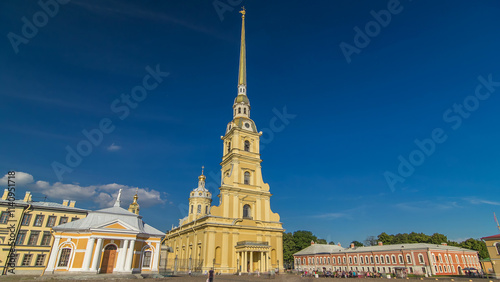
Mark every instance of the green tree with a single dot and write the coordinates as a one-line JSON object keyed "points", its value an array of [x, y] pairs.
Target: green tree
{"points": [[370, 241], [321, 241], [288, 247], [384, 238], [476, 245], [357, 243], [302, 239], [437, 238]]}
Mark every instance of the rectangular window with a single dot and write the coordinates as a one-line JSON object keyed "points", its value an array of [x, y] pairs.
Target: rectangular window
{"points": [[146, 259], [63, 220], [38, 220], [51, 221], [40, 260], [33, 238], [4, 217], [64, 258], [20, 237], [26, 220], [46, 239], [27, 260], [74, 218]]}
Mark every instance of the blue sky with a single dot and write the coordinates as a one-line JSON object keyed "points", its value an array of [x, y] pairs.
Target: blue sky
{"points": [[421, 74]]}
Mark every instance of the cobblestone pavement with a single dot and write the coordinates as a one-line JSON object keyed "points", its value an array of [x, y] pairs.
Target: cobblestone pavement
{"points": [[283, 277]]}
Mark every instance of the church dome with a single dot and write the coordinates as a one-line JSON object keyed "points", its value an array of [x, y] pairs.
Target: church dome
{"points": [[242, 99]]}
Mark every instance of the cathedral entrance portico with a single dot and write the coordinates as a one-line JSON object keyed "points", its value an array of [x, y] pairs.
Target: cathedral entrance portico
{"points": [[252, 256]]}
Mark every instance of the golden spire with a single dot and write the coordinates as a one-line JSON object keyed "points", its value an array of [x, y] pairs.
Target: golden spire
{"points": [[242, 76]]}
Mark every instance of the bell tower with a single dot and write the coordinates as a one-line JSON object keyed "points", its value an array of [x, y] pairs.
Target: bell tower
{"points": [[243, 193]]}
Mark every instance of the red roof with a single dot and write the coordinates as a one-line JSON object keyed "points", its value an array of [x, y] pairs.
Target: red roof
{"points": [[492, 237]]}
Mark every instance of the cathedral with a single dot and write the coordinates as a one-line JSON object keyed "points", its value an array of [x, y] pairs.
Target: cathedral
{"points": [[242, 234]]}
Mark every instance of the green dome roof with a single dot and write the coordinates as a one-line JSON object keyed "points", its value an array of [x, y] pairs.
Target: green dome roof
{"points": [[242, 98]]}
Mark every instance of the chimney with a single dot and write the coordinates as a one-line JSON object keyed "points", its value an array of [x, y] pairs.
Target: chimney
{"points": [[5, 194], [339, 244], [352, 245], [312, 242], [27, 196], [72, 203], [380, 243], [65, 203], [444, 244]]}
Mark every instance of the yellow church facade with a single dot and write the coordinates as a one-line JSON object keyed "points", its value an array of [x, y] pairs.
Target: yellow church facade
{"points": [[241, 234]]}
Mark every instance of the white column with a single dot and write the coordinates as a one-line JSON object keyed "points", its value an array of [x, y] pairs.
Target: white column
{"points": [[251, 262], [97, 255], [121, 256], [88, 254], [156, 258], [53, 254], [245, 264], [130, 255]]}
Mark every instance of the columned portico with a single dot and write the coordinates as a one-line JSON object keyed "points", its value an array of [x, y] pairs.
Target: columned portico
{"points": [[130, 254], [252, 256]]}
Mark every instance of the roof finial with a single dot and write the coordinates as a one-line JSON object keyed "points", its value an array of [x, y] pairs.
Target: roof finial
{"points": [[117, 203], [202, 168]]}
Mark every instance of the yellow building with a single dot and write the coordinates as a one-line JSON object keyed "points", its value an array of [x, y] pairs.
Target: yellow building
{"points": [[242, 234], [493, 245], [26, 226], [111, 240]]}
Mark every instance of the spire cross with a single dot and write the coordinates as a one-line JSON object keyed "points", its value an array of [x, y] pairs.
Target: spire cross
{"points": [[202, 168]]}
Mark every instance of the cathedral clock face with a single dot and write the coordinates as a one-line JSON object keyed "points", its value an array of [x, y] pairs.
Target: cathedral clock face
{"points": [[247, 125]]}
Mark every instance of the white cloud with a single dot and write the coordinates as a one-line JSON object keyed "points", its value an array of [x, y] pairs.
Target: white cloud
{"points": [[113, 147], [21, 178], [479, 202], [103, 195]]}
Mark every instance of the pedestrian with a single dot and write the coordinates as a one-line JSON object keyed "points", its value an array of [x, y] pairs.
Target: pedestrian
{"points": [[210, 276]]}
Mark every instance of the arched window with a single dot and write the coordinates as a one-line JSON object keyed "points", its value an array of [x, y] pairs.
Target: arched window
{"points": [[393, 259], [246, 211], [64, 258], [247, 178], [361, 260], [376, 259], [229, 147], [245, 111], [387, 259], [247, 146], [191, 208], [198, 210], [421, 258], [206, 209], [146, 259], [408, 258], [239, 110], [371, 259], [401, 261], [382, 259]]}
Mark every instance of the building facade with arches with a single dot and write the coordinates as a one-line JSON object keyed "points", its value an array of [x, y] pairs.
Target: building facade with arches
{"points": [[418, 259], [241, 234], [111, 240]]}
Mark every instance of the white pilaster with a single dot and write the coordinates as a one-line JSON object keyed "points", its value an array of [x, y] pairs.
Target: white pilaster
{"points": [[156, 257], [53, 254], [97, 255], [130, 255], [88, 254]]}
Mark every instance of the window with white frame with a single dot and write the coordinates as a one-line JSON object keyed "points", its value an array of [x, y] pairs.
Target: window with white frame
{"points": [[394, 259], [408, 258], [401, 260], [421, 258], [146, 259], [64, 257]]}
